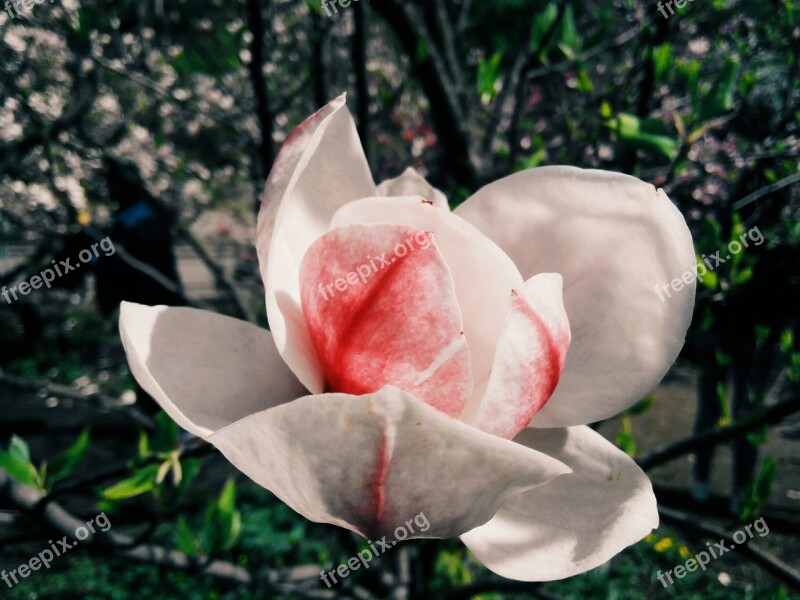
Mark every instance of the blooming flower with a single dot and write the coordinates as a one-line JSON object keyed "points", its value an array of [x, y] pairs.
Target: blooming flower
{"points": [[455, 380]]}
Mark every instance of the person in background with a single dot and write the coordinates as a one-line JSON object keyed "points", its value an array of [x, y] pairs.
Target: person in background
{"points": [[144, 228]]}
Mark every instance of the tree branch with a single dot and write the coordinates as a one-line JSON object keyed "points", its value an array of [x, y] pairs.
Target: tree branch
{"points": [[220, 279], [448, 115], [256, 25], [718, 435], [63, 391], [678, 498], [564, 65], [362, 75], [758, 194], [772, 564]]}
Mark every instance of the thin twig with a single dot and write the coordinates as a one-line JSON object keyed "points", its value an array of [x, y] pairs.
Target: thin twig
{"points": [[564, 65], [70, 393], [758, 194], [226, 285], [718, 435], [772, 564]]}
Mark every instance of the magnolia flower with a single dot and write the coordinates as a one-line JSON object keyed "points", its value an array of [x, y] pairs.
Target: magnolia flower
{"points": [[418, 358]]}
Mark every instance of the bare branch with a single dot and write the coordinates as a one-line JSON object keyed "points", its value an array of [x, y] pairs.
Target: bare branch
{"points": [[226, 285], [772, 564], [449, 44], [718, 435], [63, 391], [758, 194], [564, 65]]}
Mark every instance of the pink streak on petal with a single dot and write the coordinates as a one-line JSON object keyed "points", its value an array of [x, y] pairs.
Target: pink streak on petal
{"points": [[401, 327], [529, 359], [541, 375]]}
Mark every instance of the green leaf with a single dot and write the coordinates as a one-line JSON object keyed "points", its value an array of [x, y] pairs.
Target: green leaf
{"points": [[65, 463], [165, 437], [756, 494], [787, 340], [648, 134], [724, 407], [625, 439], [143, 446], [759, 436], [20, 469], [719, 99], [186, 539], [139, 483], [569, 40], [584, 82], [709, 279], [541, 27], [743, 276], [762, 332], [534, 160], [227, 499], [314, 6], [223, 519], [691, 69], [18, 448], [663, 61], [488, 75], [794, 366], [723, 359], [422, 51], [191, 468], [642, 406]]}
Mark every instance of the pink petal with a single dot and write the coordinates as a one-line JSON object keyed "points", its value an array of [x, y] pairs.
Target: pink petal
{"points": [[574, 523], [205, 370], [320, 167], [528, 360], [393, 319], [483, 274], [613, 239], [371, 463]]}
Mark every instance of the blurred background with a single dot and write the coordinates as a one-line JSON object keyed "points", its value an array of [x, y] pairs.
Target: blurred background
{"points": [[146, 129]]}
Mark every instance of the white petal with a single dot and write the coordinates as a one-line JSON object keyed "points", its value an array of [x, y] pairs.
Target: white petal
{"points": [[483, 275], [205, 370], [614, 239], [320, 167], [574, 523], [370, 463], [411, 183]]}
